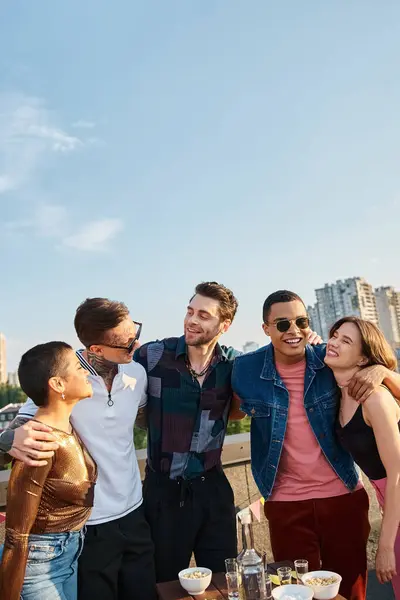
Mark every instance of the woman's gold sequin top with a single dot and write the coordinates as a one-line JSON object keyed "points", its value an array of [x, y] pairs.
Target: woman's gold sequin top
{"points": [[55, 498]]}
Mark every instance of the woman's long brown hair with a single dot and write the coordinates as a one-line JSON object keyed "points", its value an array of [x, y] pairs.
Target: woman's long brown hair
{"points": [[374, 345]]}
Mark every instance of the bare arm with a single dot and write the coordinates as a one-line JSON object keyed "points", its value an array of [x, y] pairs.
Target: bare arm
{"points": [[368, 380], [382, 414], [392, 381], [141, 418], [29, 441]]}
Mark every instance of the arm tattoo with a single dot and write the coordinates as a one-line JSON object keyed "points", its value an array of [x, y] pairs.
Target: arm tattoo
{"points": [[106, 369], [17, 422], [141, 418], [7, 439]]}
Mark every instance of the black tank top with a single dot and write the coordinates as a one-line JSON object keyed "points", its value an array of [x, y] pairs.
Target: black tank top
{"points": [[359, 440]]}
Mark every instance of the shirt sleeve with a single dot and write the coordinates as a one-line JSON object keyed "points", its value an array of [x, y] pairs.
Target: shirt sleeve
{"points": [[28, 409], [7, 438], [24, 493], [26, 412], [143, 399], [140, 356], [231, 353]]}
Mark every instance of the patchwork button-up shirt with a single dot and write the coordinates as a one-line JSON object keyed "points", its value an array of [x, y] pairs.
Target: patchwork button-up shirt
{"points": [[186, 422]]}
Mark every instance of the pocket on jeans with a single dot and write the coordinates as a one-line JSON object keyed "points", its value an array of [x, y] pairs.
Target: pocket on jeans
{"points": [[40, 552], [81, 542]]}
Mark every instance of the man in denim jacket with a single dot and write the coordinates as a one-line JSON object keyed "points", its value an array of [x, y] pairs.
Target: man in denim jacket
{"points": [[317, 507]]}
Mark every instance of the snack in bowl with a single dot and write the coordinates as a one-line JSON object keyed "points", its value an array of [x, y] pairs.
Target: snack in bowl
{"points": [[195, 580], [194, 575], [292, 592], [325, 584], [322, 581]]}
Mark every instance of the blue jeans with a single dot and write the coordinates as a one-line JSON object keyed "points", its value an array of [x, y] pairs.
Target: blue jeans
{"points": [[52, 566]]}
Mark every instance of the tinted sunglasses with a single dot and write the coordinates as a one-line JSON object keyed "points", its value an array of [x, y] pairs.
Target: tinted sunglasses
{"points": [[283, 325], [132, 343]]}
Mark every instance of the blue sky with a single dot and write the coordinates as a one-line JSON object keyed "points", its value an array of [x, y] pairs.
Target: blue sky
{"points": [[146, 146]]}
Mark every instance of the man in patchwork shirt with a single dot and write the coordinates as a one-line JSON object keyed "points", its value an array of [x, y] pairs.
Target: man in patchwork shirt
{"points": [[188, 500]]}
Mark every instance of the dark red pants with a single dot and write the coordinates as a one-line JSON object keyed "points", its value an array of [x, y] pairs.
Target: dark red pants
{"points": [[331, 533]]}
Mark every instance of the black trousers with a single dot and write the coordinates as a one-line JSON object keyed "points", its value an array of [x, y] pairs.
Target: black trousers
{"points": [[190, 516], [117, 562]]}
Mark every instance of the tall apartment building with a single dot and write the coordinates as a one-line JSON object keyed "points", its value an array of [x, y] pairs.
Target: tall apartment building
{"points": [[315, 321], [3, 359], [353, 296], [388, 306]]}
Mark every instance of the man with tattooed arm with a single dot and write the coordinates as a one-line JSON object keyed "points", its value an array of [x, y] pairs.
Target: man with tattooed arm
{"points": [[117, 562]]}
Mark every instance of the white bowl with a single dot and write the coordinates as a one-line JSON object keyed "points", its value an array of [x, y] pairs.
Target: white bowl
{"points": [[297, 591], [195, 586], [323, 592]]}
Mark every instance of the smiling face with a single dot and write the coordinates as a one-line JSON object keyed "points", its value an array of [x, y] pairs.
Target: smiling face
{"points": [[344, 348], [203, 322], [289, 345]]}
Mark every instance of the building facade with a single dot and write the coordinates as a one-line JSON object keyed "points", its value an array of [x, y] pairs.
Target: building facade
{"points": [[13, 379], [353, 296], [388, 306], [315, 321]]}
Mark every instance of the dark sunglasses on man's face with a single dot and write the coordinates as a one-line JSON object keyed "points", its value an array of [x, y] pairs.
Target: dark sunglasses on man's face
{"points": [[132, 343], [283, 325]]}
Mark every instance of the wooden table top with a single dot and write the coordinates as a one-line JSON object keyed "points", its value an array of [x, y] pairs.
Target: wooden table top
{"points": [[217, 590]]}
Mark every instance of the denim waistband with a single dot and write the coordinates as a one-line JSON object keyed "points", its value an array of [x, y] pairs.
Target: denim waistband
{"points": [[62, 536]]}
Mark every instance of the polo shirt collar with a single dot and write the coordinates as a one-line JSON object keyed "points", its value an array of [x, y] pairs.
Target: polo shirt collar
{"points": [[85, 364]]}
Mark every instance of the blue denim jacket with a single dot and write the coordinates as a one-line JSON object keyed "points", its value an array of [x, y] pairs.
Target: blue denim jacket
{"points": [[266, 400]]}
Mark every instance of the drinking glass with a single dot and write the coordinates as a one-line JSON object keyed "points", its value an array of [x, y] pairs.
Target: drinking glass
{"points": [[231, 565], [268, 587], [301, 567], [232, 585], [232, 578], [285, 575]]}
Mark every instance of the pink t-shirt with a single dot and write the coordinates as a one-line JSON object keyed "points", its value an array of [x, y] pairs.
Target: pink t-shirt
{"points": [[303, 472]]}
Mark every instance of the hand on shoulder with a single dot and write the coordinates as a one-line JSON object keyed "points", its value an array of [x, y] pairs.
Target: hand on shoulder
{"points": [[33, 444]]}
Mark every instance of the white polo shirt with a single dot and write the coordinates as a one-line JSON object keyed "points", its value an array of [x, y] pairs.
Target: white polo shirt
{"points": [[105, 423]]}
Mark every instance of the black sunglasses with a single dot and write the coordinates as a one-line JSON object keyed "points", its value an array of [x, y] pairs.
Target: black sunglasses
{"points": [[133, 342], [284, 324]]}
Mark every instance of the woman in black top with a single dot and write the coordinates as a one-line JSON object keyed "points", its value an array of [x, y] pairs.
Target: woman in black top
{"points": [[370, 432]]}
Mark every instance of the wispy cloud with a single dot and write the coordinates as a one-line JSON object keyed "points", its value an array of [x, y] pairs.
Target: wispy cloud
{"points": [[48, 220], [82, 124], [59, 140], [28, 132], [55, 221], [95, 236]]}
